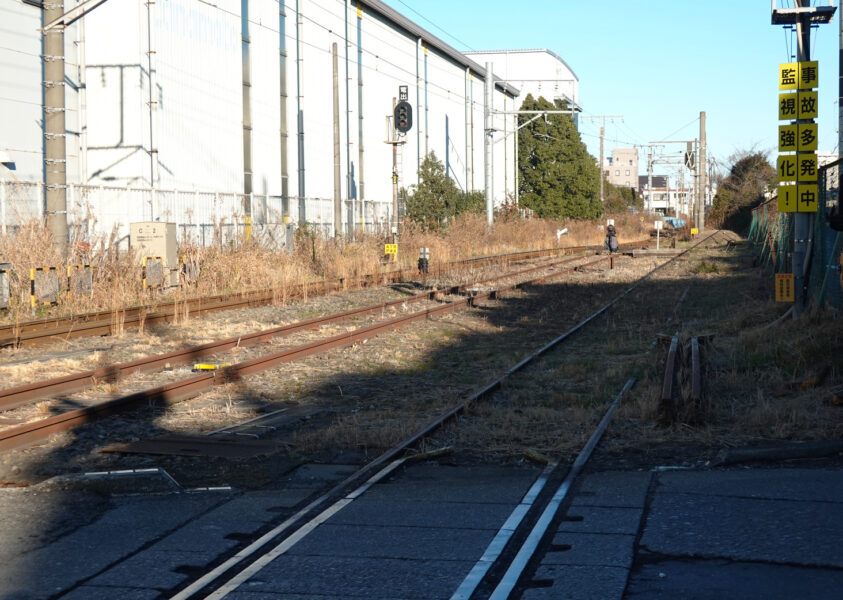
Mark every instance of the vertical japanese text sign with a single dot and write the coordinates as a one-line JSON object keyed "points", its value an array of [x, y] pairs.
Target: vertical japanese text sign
{"points": [[797, 161]]}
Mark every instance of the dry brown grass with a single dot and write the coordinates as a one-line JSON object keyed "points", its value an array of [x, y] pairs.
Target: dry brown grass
{"points": [[243, 265]]}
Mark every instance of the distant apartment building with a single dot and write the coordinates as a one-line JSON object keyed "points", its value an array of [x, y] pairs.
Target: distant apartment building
{"points": [[622, 168]]}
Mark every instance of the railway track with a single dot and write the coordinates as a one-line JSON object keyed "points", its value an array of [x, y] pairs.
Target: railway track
{"points": [[104, 323], [34, 432], [529, 523]]}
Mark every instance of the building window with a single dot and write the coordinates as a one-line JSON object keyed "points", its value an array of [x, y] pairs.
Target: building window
{"points": [[630, 162], [617, 173], [627, 172]]}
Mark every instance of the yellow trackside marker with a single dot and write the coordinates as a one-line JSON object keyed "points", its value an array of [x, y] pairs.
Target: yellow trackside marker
{"points": [[807, 106], [788, 138], [809, 75], [788, 104], [807, 167], [788, 76], [787, 198], [807, 138], [786, 167], [807, 198], [390, 248], [209, 367], [784, 287]]}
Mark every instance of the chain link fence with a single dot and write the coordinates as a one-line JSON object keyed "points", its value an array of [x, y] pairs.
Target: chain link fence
{"points": [[771, 233]]}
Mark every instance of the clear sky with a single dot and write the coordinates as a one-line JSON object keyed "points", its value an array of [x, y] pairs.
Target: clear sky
{"points": [[656, 62]]}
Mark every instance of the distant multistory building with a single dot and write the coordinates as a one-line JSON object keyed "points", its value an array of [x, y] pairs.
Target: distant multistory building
{"points": [[622, 168]]}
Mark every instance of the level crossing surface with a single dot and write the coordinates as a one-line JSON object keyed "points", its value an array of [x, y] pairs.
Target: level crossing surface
{"points": [[643, 534]]}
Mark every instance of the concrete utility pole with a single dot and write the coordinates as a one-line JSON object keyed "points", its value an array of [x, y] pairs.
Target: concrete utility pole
{"points": [[247, 115], [337, 184], [602, 177], [488, 132], [55, 146], [802, 221], [602, 119], [300, 112], [650, 181], [703, 176], [55, 150], [803, 15]]}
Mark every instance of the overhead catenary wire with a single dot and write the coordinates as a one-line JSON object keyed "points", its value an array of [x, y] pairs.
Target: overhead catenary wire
{"points": [[450, 35]]}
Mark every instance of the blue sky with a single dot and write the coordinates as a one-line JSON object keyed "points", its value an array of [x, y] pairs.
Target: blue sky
{"points": [[656, 62]]}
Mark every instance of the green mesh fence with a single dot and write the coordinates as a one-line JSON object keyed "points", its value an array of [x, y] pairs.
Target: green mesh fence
{"points": [[771, 236]]}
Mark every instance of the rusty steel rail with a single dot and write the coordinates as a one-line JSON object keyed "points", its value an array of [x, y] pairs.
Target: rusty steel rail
{"points": [[170, 393], [20, 395], [229, 570], [106, 322], [182, 390]]}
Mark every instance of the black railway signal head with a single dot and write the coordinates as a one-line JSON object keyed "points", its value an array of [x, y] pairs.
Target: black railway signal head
{"points": [[403, 117]]}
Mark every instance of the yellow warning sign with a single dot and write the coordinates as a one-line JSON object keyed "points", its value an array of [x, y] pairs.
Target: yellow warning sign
{"points": [[798, 198], [809, 75], [694, 231], [788, 76], [807, 105], [786, 167], [784, 287], [788, 105], [808, 196], [807, 137], [390, 248], [807, 167], [799, 75], [788, 138], [787, 198]]}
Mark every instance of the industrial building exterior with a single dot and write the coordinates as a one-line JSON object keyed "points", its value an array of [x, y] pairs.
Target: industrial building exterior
{"points": [[199, 113]]}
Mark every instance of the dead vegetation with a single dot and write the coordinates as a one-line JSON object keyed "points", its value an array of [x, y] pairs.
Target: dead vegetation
{"points": [[242, 265]]}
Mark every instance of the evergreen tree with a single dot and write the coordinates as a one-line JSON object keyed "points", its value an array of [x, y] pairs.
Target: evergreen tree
{"points": [[742, 190], [437, 198], [558, 178]]}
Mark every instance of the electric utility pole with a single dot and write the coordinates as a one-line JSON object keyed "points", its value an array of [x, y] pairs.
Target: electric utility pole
{"points": [[55, 148], [703, 171], [55, 142], [488, 149], [602, 119], [690, 161], [803, 15]]}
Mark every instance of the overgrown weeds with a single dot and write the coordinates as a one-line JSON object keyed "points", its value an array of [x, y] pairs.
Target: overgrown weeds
{"points": [[243, 265]]}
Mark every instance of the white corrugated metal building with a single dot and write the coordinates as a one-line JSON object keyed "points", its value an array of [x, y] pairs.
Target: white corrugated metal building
{"points": [[240, 117]]}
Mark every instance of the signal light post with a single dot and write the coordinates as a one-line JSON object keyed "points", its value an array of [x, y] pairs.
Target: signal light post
{"points": [[402, 122]]}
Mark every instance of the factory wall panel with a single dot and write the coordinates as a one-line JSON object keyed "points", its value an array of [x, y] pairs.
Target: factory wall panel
{"points": [[21, 99], [198, 122], [21, 135], [117, 150], [265, 92], [193, 126]]}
